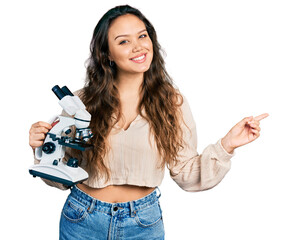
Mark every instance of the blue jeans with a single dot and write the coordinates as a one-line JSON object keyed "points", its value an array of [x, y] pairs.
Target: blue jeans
{"points": [[85, 217]]}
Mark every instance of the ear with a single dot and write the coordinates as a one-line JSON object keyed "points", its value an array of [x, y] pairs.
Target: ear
{"points": [[110, 58]]}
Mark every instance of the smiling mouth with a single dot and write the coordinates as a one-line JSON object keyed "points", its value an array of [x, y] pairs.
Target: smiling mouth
{"points": [[139, 59]]}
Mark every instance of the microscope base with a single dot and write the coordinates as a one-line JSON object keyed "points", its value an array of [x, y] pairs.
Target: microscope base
{"points": [[62, 174]]}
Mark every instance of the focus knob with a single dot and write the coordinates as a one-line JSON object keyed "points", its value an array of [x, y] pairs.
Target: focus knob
{"points": [[49, 147], [72, 162]]}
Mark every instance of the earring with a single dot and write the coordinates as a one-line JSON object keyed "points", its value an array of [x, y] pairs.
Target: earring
{"points": [[111, 63]]}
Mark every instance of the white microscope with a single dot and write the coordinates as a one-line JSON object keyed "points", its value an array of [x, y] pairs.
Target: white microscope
{"points": [[51, 153]]}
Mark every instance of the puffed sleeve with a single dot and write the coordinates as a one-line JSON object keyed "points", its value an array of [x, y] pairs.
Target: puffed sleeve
{"points": [[194, 172]]}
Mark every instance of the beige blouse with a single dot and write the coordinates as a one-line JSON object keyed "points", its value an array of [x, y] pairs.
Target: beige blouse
{"points": [[134, 157]]}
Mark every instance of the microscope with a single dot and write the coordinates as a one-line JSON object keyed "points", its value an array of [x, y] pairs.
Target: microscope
{"points": [[51, 153]]}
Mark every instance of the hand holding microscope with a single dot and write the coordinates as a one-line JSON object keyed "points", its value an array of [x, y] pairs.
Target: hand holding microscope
{"points": [[51, 153]]}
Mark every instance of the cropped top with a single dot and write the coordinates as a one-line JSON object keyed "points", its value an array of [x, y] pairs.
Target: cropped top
{"points": [[133, 158]]}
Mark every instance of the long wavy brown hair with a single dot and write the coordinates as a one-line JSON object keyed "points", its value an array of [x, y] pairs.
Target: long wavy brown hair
{"points": [[160, 99]]}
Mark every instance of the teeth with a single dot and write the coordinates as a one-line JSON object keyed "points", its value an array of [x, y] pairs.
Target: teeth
{"points": [[139, 58]]}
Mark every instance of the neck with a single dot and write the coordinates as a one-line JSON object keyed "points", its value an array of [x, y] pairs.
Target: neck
{"points": [[129, 84]]}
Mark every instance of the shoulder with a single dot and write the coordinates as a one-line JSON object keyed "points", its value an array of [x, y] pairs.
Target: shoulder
{"points": [[183, 103], [78, 92], [185, 110]]}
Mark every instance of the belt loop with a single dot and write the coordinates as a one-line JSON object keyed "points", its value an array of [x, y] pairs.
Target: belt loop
{"points": [[159, 192], [132, 211], [92, 206]]}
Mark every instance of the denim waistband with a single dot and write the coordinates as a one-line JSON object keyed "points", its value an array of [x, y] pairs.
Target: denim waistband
{"points": [[114, 208]]}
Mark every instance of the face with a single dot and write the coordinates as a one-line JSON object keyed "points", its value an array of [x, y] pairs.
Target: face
{"points": [[130, 46]]}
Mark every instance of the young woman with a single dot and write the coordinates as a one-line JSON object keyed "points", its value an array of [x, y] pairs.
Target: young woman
{"points": [[141, 123]]}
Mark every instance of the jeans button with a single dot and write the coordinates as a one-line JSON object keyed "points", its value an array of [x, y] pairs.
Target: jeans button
{"points": [[115, 209]]}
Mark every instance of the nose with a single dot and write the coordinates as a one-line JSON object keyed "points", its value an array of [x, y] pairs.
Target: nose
{"points": [[136, 47]]}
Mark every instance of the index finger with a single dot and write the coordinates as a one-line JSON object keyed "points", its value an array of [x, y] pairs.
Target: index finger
{"points": [[44, 124], [262, 116]]}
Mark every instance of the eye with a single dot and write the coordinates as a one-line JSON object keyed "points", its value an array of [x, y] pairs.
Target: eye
{"points": [[143, 36], [123, 42]]}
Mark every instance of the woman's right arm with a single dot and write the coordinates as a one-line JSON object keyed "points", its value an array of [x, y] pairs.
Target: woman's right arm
{"points": [[37, 136]]}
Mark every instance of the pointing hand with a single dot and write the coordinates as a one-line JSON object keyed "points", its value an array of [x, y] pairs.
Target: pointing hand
{"points": [[244, 132]]}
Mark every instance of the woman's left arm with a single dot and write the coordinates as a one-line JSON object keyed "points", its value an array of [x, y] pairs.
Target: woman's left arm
{"points": [[197, 172], [244, 132]]}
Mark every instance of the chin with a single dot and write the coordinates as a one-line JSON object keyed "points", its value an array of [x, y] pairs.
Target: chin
{"points": [[145, 68], [140, 70]]}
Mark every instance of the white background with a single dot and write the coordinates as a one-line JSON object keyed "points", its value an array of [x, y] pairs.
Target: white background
{"points": [[231, 59]]}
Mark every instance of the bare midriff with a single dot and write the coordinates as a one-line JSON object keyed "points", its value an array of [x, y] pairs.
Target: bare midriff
{"points": [[116, 193]]}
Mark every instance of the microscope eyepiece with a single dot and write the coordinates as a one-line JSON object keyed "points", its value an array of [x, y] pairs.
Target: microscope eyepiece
{"points": [[58, 91], [62, 92], [67, 91]]}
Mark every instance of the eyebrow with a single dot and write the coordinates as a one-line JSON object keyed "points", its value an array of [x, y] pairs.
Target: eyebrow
{"points": [[125, 35]]}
